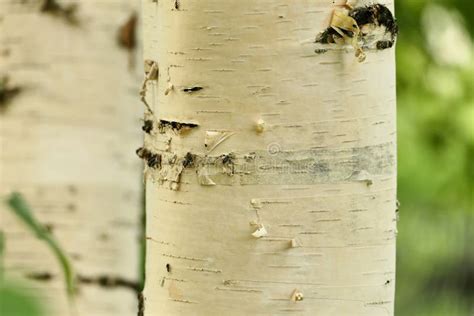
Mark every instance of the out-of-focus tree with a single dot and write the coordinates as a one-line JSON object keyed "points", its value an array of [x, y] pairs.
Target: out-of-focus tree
{"points": [[68, 130]]}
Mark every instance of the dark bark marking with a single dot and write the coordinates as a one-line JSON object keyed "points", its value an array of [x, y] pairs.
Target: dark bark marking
{"points": [[126, 36], [66, 12], [7, 93]]}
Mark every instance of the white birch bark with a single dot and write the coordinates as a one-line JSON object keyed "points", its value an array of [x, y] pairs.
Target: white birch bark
{"points": [[290, 209], [67, 144]]}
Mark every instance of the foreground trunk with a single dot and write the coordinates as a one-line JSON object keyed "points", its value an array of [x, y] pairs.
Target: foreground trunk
{"points": [[68, 130], [271, 177]]}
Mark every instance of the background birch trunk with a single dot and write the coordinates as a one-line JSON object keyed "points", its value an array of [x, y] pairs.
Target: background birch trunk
{"points": [[67, 143], [271, 178]]}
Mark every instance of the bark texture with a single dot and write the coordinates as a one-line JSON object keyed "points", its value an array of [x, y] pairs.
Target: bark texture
{"points": [[67, 143], [271, 177]]}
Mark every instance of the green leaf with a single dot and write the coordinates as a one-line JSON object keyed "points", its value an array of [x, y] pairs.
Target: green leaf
{"points": [[21, 209]]}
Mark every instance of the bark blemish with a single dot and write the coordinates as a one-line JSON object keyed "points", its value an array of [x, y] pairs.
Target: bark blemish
{"points": [[177, 4], [126, 36], [66, 12], [295, 243], [40, 276], [362, 176], [260, 126], [175, 126], [192, 89], [260, 231], [228, 163], [169, 89], [7, 92], [256, 203], [168, 268], [320, 51], [147, 126], [189, 160], [365, 27], [297, 296], [153, 160]]}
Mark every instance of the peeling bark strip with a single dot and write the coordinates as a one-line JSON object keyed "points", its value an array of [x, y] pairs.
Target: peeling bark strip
{"points": [[289, 174]]}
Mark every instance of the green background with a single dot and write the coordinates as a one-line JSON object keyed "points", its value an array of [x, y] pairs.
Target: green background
{"points": [[435, 246]]}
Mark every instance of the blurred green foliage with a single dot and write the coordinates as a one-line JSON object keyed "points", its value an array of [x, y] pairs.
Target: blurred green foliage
{"points": [[435, 82], [15, 301]]}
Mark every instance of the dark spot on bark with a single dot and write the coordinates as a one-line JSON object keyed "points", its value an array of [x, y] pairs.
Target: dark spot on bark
{"points": [[147, 126], [192, 89], [228, 161], [71, 207], [153, 160], [177, 4], [168, 268], [7, 93], [327, 36], [127, 33], [72, 189], [363, 15], [321, 168], [320, 51], [40, 276], [387, 282], [66, 12], [384, 44], [104, 237], [189, 160]]}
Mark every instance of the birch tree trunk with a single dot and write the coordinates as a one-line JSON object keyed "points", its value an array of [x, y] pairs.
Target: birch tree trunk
{"points": [[67, 144], [271, 177]]}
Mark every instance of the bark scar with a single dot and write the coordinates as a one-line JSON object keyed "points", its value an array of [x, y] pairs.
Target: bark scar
{"points": [[366, 27]]}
